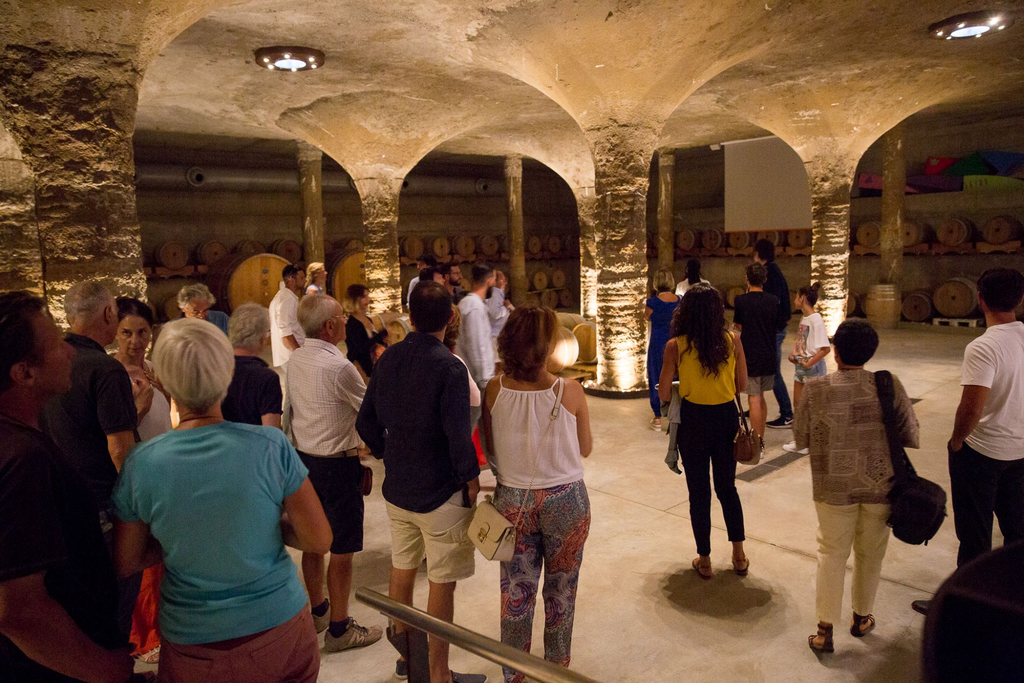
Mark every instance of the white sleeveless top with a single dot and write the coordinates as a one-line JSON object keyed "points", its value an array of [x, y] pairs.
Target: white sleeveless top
{"points": [[530, 446]]}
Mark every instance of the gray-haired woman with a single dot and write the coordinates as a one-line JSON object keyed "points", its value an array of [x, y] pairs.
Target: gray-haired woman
{"points": [[208, 498], [196, 301]]}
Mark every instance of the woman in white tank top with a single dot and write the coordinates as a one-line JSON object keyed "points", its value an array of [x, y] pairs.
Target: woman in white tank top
{"points": [[538, 431]]}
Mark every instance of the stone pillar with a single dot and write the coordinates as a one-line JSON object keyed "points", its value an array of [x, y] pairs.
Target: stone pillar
{"points": [[73, 114], [21, 263], [516, 241], [666, 235], [894, 182], [310, 160], [586, 207], [831, 178], [622, 166], [379, 198]]}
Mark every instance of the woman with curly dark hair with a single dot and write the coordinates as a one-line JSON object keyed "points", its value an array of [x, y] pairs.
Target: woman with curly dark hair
{"points": [[712, 370]]}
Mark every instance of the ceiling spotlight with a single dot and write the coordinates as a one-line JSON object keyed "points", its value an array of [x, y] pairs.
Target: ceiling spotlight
{"points": [[290, 58], [971, 25]]}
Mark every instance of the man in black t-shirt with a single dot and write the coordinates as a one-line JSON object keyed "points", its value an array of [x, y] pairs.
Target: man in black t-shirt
{"points": [[255, 396], [764, 253], [58, 595], [756, 319]]}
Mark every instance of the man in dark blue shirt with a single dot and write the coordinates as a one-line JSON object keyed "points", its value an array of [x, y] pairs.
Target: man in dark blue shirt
{"points": [[764, 253], [415, 415]]}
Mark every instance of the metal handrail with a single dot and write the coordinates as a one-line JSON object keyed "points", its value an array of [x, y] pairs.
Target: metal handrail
{"points": [[536, 668]]}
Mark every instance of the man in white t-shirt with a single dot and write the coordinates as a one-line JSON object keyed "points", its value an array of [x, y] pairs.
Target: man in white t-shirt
{"points": [[986, 451], [285, 332]]}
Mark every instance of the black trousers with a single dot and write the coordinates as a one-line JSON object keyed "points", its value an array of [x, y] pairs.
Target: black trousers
{"points": [[982, 486], [705, 441]]}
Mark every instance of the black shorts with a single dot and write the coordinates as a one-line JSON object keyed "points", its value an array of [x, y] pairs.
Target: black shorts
{"points": [[338, 485]]}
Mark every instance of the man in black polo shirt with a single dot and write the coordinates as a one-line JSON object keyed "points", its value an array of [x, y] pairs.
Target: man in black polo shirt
{"points": [[94, 422], [255, 395], [58, 596], [764, 253], [415, 414]]}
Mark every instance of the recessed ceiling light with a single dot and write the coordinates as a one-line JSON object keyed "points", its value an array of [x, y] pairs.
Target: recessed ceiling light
{"points": [[289, 57], [971, 25]]}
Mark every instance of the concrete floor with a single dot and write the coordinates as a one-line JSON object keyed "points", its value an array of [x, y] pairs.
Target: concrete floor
{"points": [[644, 616]]}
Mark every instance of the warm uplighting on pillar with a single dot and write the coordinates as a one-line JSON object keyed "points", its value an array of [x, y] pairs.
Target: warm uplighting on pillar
{"points": [[831, 271]]}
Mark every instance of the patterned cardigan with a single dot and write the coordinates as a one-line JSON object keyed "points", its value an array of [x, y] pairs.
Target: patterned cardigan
{"points": [[839, 419]]}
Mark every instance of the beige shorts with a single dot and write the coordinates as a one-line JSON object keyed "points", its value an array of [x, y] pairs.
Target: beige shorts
{"points": [[442, 535]]}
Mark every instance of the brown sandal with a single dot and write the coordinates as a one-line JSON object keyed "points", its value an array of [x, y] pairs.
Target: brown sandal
{"points": [[825, 633], [741, 570], [862, 625], [700, 569]]}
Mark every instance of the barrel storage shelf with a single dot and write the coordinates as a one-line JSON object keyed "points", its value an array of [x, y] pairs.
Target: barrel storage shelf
{"points": [[713, 242]]}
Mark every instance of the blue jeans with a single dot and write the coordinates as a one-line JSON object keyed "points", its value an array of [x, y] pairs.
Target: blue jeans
{"points": [[781, 394]]}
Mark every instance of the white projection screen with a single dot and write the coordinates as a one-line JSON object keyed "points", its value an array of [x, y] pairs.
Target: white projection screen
{"points": [[765, 187]]}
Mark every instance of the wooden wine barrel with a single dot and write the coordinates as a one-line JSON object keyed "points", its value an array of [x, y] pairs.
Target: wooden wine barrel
{"points": [[345, 268], [353, 244], [171, 255], [242, 278], [440, 247], [210, 251], [555, 244], [1001, 229], [534, 245], [882, 306], [955, 231], [289, 250], [851, 304], [540, 278], [686, 239], [249, 247], [915, 233], [532, 298], [556, 278], [163, 294], [917, 306], [549, 299], [741, 240], [776, 237], [799, 239], [570, 320], [465, 246], [956, 298], [398, 329], [412, 247], [732, 293], [869, 234], [564, 298], [586, 337], [488, 245], [712, 239], [566, 352]]}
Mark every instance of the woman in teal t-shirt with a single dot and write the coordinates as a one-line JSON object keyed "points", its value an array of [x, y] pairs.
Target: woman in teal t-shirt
{"points": [[207, 499]]}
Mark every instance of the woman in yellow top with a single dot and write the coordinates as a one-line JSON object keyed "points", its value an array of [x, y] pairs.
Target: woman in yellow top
{"points": [[712, 370]]}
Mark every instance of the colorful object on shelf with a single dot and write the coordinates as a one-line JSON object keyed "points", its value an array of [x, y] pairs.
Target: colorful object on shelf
{"points": [[992, 183], [873, 181], [1004, 163], [974, 164], [936, 183], [936, 165]]}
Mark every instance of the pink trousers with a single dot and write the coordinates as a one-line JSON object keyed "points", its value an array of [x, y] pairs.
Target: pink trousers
{"points": [[288, 653]]}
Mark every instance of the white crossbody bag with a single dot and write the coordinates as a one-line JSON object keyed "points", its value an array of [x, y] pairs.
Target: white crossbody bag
{"points": [[492, 534]]}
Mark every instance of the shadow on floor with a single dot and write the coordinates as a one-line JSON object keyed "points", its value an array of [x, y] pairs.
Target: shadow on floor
{"points": [[726, 595], [897, 661]]}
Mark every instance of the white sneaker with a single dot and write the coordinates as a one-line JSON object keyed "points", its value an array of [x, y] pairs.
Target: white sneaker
{"points": [[791, 448]]}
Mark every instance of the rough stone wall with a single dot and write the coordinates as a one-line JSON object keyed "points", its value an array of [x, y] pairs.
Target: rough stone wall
{"points": [[72, 113], [310, 160], [831, 178], [586, 207], [21, 265], [380, 223]]}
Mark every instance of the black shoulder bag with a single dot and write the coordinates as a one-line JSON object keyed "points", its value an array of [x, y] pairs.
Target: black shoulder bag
{"points": [[918, 506]]}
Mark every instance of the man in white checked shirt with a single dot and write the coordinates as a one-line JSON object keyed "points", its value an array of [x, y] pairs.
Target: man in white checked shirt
{"points": [[326, 393]]}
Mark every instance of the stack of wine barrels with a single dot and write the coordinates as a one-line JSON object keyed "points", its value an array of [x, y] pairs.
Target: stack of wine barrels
{"points": [[554, 244], [799, 239], [585, 332], [171, 255], [488, 246], [465, 246], [344, 268], [534, 245], [869, 234], [956, 298], [289, 250], [439, 247], [776, 237], [915, 233], [243, 278], [210, 251], [686, 239], [248, 247], [412, 247], [741, 240], [712, 239], [955, 231], [1001, 229], [883, 306], [917, 306]]}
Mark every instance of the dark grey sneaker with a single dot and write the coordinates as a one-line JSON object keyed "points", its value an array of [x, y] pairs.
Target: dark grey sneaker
{"points": [[468, 678], [401, 669], [355, 636], [780, 423]]}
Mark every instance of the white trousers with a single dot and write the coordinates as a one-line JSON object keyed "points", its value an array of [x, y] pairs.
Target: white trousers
{"points": [[841, 528]]}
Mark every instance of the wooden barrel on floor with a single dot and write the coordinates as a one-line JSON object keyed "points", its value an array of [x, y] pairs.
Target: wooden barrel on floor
{"points": [[549, 299], [869, 234], [955, 231], [586, 337], [732, 293], [566, 352], [171, 255], [554, 244], [882, 307], [776, 237], [917, 306], [289, 250], [398, 329], [686, 239], [799, 239], [712, 239], [210, 251], [570, 320], [345, 268], [741, 240], [916, 232], [249, 247], [956, 298], [465, 246], [564, 298], [411, 247], [242, 278], [488, 246], [1001, 229], [439, 247], [534, 245]]}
